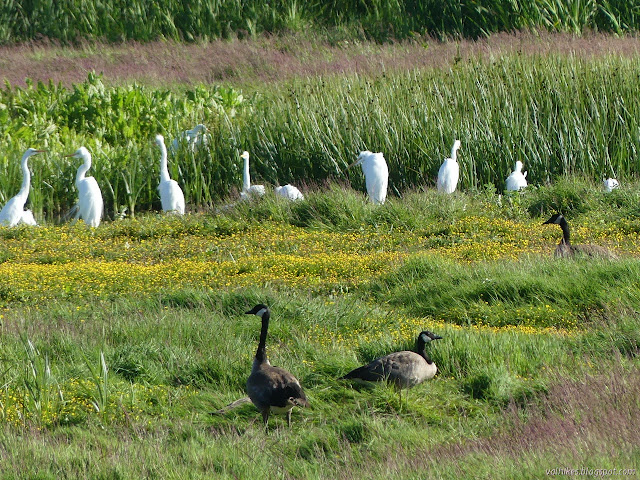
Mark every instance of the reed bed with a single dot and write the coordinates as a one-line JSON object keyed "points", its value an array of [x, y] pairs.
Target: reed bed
{"points": [[377, 19], [559, 115]]}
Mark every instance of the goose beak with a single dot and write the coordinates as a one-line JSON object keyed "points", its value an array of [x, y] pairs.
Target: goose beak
{"points": [[436, 337]]}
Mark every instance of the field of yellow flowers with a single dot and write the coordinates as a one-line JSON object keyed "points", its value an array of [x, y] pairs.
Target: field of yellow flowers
{"points": [[126, 339]]}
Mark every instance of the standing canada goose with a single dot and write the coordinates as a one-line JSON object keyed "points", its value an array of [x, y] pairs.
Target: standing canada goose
{"points": [[404, 369], [449, 172], [566, 250], [271, 389]]}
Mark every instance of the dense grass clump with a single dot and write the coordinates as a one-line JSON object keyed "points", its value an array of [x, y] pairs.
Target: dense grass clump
{"points": [[377, 19]]}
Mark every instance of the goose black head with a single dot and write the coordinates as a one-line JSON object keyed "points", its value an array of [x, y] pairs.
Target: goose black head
{"points": [[426, 336], [557, 218], [258, 310]]}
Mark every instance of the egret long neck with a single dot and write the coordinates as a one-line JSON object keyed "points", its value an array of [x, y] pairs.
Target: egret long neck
{"points": [[26, 177], [164, 169], [82, 170], [246, 180], [261, 353]]}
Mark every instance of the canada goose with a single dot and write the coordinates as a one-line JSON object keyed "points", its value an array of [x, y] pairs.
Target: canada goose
{"points": [[404, 369], [376, 174], [271, 389], [516, 180], [449, 172], [565, 249]]}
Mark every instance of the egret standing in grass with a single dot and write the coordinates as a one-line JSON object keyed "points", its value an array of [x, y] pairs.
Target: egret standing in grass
{"points": [[517, 180], [449, 172], [290, 192], [13, 213], [610, 184], [194, 138], [247, 188], [376, 174], [90, 205], [171, 194]]}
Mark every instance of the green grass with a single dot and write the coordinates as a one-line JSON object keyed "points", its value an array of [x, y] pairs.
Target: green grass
{"points": [[123, 385], [380, 20], [562, 116]]}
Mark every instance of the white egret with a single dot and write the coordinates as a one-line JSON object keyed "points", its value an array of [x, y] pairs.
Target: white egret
{"points": [[376, 174], [171, 194], [517, 180], [610, 184], [247, 188], [194, 138], [290, 192], [271, 389], [13, 213], [449, 172], [90, 204]]}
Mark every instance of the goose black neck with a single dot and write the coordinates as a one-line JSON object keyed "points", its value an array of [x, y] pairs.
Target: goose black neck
{"points": [[565, 231], [261, 353], [422, 351]]}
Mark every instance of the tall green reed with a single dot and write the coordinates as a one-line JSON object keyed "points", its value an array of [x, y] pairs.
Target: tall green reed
{"points": [[559, 115]]}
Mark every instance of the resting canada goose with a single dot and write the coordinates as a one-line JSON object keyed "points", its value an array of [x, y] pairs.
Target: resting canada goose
{"points": [[271, 389], [404, 369], [566, 249]]}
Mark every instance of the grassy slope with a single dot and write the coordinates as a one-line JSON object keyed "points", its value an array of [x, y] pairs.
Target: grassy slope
{"points": [[175, 355]]}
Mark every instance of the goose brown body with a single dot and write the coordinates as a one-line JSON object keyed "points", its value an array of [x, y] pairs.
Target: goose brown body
{"points": [[272, 389], [566, 249], [403, 369]]}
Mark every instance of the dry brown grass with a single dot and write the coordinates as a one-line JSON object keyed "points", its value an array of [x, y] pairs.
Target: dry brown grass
{"points": [[269, 59]]}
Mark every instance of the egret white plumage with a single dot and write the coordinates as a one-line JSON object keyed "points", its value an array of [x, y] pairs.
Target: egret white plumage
{"points": [[517, 180], [247, 188], [171, 194], [13, 213], [610, 184], [449, 172], [376, 174], [290, 192], [90, 204], [194, 138]]}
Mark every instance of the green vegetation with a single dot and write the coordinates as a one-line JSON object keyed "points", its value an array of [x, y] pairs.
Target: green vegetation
{"points": [[559, 115], [120, 343], [375, 19]]}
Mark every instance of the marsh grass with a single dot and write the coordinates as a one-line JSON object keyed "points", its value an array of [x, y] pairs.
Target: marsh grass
{"points": [[562, 116], [139, 375]]}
